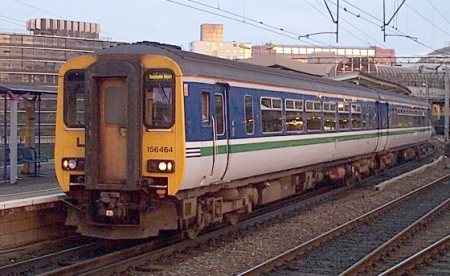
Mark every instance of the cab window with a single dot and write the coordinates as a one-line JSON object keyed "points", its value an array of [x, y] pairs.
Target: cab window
{"points": [[74, 99], [159, 99]]}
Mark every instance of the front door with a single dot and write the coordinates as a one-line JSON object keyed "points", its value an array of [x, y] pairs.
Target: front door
{"points": [[220, 133], [112, 130]]}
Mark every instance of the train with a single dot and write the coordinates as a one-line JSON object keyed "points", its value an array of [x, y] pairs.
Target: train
{"points": [[151, 139]]}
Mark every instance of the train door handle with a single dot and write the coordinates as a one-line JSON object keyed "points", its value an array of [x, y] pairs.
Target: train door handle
{"points": [[123, 131], [233, 129]]}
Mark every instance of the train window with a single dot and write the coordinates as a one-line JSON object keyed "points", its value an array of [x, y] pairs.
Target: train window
{"points": [[294, 115], [271, 115], [115, 105], [205, 108], [74, 96], [329, 116], [356, 116], [220, 130], [313, 116], [159, 99], [249, 122], [367, 120], [344, 116]]}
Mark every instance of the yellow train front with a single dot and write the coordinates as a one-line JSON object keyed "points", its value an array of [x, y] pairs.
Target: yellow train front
{"points": [[119, 149]]}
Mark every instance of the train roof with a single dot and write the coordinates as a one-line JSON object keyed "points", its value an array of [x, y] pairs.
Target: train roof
{"points": [[198, 65]]}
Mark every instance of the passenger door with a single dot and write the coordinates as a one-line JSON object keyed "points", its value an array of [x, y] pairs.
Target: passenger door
{"points": [[220, 123], [383, 125], [112, 130]]}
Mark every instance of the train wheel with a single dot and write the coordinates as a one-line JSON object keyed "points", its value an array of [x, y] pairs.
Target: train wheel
{"points": [[191, 233], [233, 218]]}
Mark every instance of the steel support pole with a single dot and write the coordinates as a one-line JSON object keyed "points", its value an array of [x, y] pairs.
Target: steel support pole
{"points": [[13, 141], [446, 108]]}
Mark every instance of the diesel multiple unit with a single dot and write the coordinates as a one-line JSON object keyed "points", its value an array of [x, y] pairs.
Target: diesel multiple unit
{"points": [[151, 138]]}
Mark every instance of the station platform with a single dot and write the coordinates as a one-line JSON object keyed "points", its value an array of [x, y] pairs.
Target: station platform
{"points": [[31, 190]]}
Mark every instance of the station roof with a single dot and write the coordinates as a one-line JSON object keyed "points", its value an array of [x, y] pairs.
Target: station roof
{"points": [[15, 91], [369, 80], [287, 63]]}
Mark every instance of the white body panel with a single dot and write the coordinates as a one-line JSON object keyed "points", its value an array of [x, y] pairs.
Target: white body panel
{"points": [[272, 154]]}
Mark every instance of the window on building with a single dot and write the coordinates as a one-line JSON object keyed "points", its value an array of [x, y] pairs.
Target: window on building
{"points": [[5, 38], [287, 50], [294, 115], [272, 120], [313, 114], [28, 40], [344, 116], [329, 116], [249, 122]]}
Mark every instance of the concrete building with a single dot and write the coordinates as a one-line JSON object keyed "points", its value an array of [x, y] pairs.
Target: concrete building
{"points": [[211, 43], [31, 61], [328, 55], [35, 59], [211, 32]]}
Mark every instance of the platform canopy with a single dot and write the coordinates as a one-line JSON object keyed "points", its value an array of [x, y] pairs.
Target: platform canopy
{"points": [[369, 80], [14, 95]]}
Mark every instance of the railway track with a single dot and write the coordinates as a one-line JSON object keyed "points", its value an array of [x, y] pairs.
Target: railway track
{"points": [[107, 258], [339, 249], [431, 228], [68, 256], [433, 260], [102, 254]]}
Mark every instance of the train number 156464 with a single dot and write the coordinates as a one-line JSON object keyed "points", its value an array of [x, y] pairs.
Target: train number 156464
{"points": [[157, 149]]}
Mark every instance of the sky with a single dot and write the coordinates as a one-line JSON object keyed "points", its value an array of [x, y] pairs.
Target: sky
{"points": [[283, 21]]}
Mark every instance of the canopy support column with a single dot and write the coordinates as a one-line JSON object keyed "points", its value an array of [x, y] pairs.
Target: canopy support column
{"points": [[13, 141]]}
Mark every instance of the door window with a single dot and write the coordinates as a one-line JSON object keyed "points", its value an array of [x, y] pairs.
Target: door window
{"points": [[219, 114]]}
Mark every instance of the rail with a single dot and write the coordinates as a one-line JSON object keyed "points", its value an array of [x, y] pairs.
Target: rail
{"points": [[367, 261], [316, 242], [422, 256]]}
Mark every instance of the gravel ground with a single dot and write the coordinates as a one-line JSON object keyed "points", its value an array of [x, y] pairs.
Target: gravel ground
{"points": [[247, 250]]}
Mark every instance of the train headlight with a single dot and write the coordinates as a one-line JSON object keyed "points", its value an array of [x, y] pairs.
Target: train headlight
{"points": [[160, 166], [73, 164]]}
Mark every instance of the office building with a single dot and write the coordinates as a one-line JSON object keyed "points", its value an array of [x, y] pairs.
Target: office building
{"points": [[211, 43]]}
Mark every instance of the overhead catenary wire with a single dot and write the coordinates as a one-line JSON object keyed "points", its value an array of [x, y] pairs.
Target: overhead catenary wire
{"points": [[439, 12], [10, 22], [37, 8], [428, 20], [245, 20], [396, 31], [342, 27]]}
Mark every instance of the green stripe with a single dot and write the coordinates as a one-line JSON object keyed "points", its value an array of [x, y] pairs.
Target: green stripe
{"points": [[207, 151]]}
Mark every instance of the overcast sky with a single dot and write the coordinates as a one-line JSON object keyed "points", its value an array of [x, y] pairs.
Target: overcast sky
{"points": [[169, 22]]}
